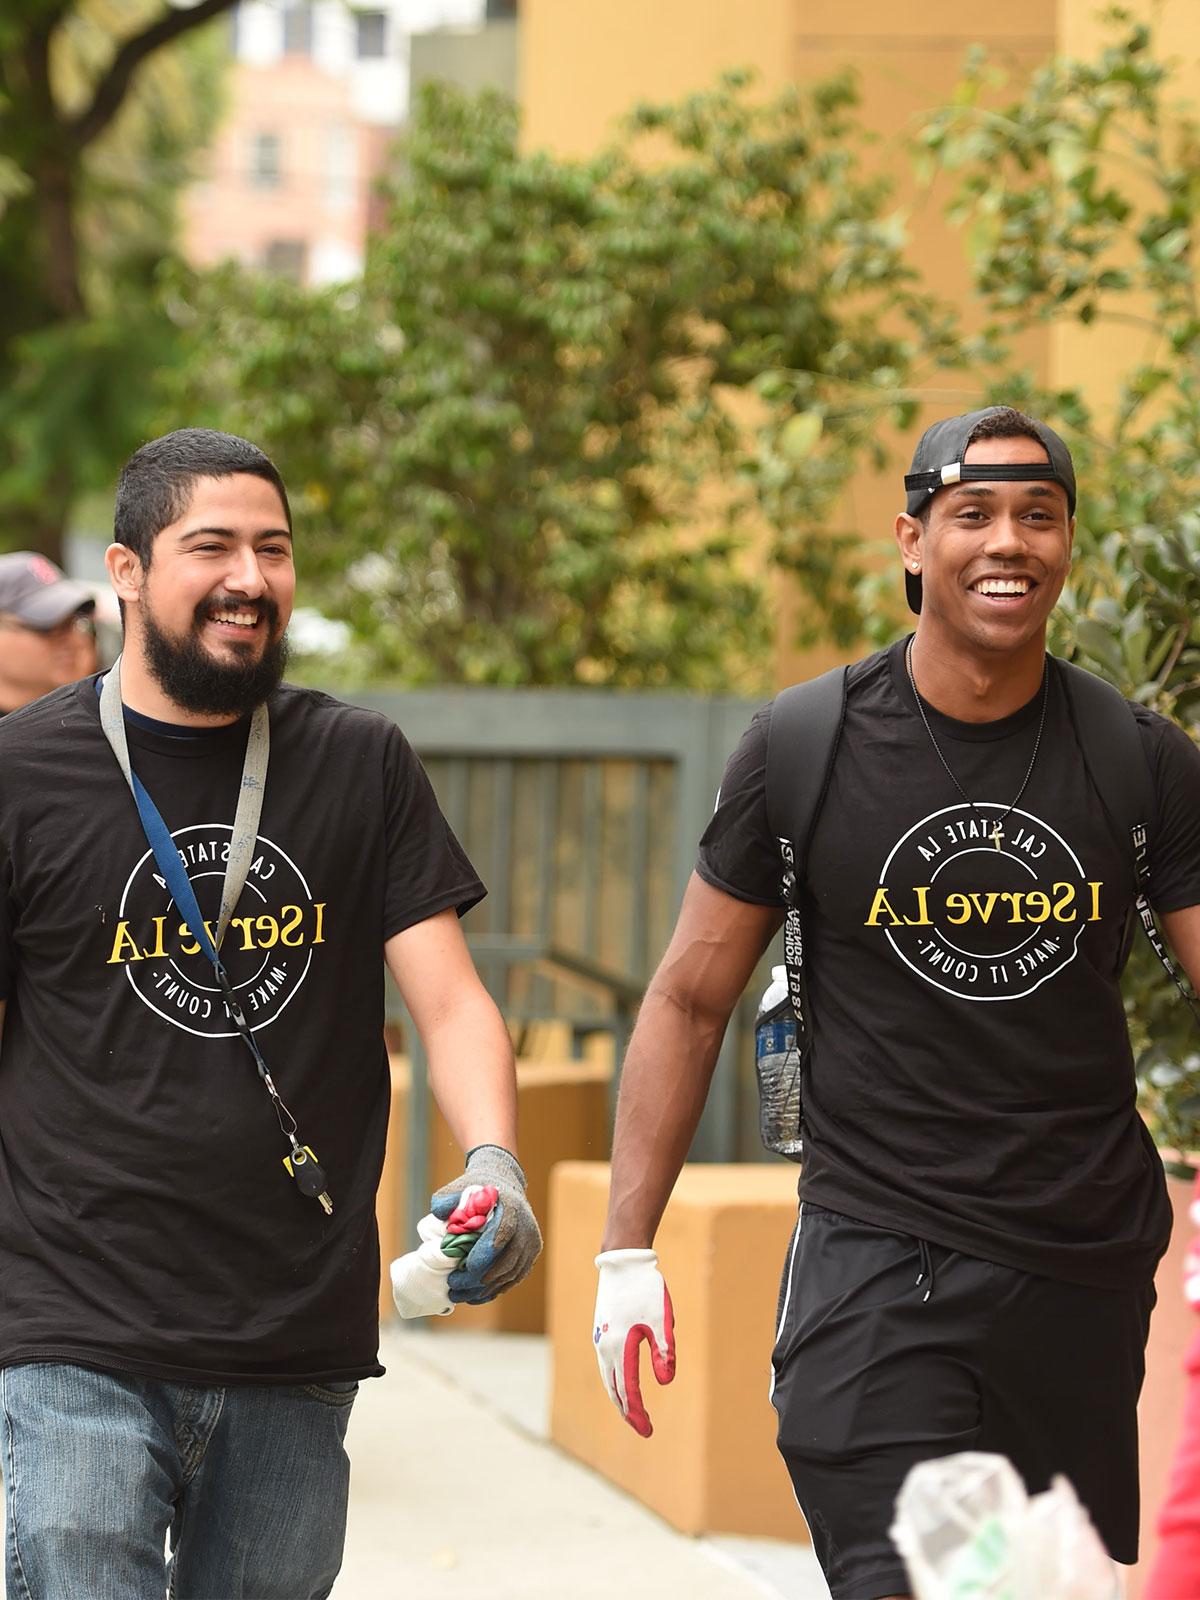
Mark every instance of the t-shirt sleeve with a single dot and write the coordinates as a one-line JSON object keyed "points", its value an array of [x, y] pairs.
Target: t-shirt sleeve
{"points": [[1175, 844], [737, 853], [427, 869]]}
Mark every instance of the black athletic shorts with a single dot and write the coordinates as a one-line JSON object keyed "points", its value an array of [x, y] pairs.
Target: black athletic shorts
{"points": [[890, 1352]]}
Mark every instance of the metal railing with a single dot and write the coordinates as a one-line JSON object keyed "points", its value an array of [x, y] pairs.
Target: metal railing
{"points": [[581, 810]]}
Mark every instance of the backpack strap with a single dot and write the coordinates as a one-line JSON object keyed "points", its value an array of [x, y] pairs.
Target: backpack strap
{"points": [[1115, 759], [806, 724]]}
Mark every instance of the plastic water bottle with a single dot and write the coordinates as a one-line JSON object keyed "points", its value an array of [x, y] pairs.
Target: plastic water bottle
{"points": [[777, 1062]]}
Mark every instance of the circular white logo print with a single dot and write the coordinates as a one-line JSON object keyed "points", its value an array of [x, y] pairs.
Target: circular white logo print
{"points": [[984, 908], [267, 949]]}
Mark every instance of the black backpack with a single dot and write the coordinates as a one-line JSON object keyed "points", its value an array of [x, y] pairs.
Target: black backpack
{"points": [[806, 725]]}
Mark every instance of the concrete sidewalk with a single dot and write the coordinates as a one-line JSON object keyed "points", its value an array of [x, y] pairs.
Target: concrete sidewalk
{"points": [[456, 1495]]}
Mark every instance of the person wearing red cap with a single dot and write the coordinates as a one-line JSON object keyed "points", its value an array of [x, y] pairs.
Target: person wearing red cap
{"points": [[47, 636], [982, 1209]]}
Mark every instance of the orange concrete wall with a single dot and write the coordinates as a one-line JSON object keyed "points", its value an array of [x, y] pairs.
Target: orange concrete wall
{"points": [[711, 1465]]}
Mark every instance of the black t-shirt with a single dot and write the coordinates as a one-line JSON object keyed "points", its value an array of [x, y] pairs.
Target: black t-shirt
{"points": [[971, 1080], [146, 1221]]}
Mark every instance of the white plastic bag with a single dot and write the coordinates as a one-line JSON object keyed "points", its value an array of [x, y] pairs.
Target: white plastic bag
{"points": [[968, 1531], [420, 1284]]}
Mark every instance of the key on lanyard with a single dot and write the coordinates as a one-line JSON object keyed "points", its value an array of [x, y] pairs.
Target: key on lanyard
{"points": [[310, 1179]]}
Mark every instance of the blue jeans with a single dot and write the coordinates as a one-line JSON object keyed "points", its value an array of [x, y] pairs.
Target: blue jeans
{"points": [[248, 1482]]}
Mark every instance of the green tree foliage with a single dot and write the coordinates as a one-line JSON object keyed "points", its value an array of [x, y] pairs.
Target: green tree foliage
{"points": [[533, 444], [97, 120], [1081, 201]]}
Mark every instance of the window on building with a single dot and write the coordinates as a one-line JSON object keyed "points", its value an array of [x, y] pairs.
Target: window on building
{"points": [[297, 30], [286, 258], [341, 165], [370, 35], [266, 165]]}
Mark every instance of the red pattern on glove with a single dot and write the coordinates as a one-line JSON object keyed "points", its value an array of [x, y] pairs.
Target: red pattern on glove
{"points": [[663, 1362], [473, 1211]]}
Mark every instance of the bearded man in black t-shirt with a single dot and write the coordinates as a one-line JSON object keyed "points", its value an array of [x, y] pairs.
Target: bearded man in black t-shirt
{"points": [[203, 872], [982, 1208]]}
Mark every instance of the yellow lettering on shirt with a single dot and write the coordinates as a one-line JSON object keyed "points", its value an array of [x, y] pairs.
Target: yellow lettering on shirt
{"points": [[124, 946]]}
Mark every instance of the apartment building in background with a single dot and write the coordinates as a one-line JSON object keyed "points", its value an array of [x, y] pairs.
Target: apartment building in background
{"points": [[317, 92]]}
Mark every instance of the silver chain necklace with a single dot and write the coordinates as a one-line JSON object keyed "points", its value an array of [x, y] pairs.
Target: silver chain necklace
{"points": [[997, 832]]}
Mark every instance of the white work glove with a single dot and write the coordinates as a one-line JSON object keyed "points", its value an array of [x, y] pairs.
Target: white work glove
{"points": [[632, 1304], [420, 1280]]}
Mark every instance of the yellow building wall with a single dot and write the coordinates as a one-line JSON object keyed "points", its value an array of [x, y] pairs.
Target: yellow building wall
{"points": [[585, 63], [908, 57], [1095, 357]]}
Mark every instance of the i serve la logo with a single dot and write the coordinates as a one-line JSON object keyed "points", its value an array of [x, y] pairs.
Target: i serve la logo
{"points": [[267, 950], [982, 921]]}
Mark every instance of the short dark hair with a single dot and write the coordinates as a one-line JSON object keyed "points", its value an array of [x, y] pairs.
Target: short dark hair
{"points": [[1005, 422], [156, 482]]}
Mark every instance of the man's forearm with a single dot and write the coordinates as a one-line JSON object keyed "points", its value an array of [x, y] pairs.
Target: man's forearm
{"points": [[466, 1043], [472, 1075], [669, 1065], [664, 1084]]}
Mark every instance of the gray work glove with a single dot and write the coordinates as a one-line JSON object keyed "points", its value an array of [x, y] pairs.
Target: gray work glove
{"points": [[509, 1242]]}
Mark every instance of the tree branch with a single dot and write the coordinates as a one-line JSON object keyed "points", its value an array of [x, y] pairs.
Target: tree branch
{"points": [[1182, 634], [35, 59], [114, 85]]}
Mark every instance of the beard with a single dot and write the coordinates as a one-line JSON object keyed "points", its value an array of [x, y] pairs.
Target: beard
{"points": [[196, 682]]}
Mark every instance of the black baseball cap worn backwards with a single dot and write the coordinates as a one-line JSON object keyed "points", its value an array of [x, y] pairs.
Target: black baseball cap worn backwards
{"points": [[938, 462]]}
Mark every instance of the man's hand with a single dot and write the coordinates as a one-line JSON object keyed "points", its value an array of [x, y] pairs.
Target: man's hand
{"points": [[510, 1241], [632, 1304]]}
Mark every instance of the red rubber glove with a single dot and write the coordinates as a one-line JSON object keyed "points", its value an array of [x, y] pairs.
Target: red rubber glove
{"points": [[632, 1304]]}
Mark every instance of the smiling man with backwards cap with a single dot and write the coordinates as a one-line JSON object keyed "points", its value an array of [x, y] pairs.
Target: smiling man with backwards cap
{"points": [[982, 1209], [47, 637]]}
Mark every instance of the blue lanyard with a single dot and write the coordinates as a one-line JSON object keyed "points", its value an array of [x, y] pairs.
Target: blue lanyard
{"points": [[302, 1164], [245, 822]]}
